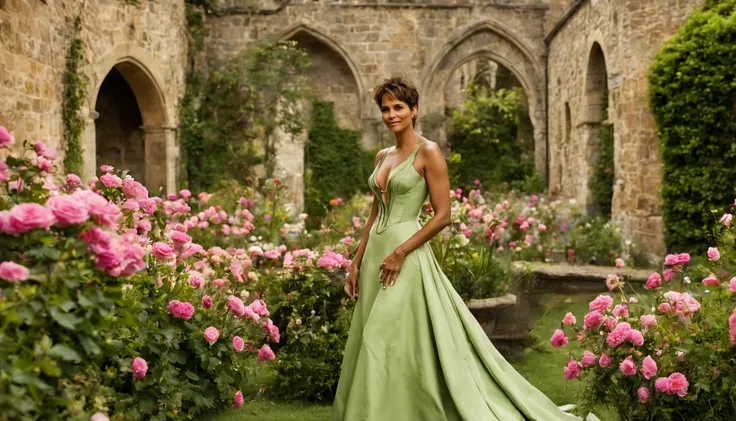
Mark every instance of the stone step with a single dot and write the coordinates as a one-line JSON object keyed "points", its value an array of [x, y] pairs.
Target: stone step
{"points": [[565, 278]]}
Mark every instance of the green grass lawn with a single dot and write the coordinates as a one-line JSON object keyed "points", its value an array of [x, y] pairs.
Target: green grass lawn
{"points": [[542, 366]]}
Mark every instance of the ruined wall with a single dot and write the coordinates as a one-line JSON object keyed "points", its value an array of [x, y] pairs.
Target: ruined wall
{"points": [[148, 43], [629, 33]]}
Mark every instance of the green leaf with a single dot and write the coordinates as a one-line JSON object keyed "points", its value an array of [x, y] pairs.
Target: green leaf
{"points": [[65, 353], [49, 368], [67, 320], [90, 347], [68, 305], [192, 376]]}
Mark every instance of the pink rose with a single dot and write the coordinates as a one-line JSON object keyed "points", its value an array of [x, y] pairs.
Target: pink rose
{"points": [[588, 359], [620, 263], [558, 339], [677, 385], [643, 394], [68, 210], [654, 281], [593, 319], [236, 305], [11, 271], [28, 216], [605, 361], [111, 180], [186, 194], [726, 219], [618, 335], [148, 206], [238, 399], [661, 384], [635, 337], [649, 367], [163, 251], [620, 311], [99, 416], [180, 237], [732, 285], [601, 303], [73, 180], [266, 354], [676, 259], [572, 369], [542, 228], [259, 307], [106, 168], [211, 335], [196, 280], [99, 208], [181, 310], [238, 343], [713, 254], [139, 368], [668, 274], [628, 367], [5, 138], [134, 189], [131, 204], [273, 330], [648, 320], [207, 301], [710, 280], [664, 308], [569, 319]]}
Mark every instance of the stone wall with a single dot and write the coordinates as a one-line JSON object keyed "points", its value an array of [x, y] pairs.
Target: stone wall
{"points": [[147, 43], [355, 45], [612, 42]]}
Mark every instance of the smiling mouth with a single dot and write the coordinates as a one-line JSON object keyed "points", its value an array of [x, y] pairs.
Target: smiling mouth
{"points": [[393, 123]]}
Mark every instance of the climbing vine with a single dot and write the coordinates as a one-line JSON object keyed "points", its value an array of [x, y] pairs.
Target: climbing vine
{"points": [[601, 184], [333, 161], [75, 83], [229, 114]]}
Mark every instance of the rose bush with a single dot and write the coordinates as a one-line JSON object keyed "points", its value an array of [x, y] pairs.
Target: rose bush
{"points": [[109, 308], [668, 354]]}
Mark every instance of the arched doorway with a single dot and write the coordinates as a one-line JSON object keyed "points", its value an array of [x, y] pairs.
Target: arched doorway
{"points": [[492, 41], [130, 129], [119, 136], [598, 136], [484, 91]]}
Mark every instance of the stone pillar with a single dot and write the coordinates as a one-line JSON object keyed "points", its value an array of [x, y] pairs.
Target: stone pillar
{"points": [[160, 159], [89, 148]]}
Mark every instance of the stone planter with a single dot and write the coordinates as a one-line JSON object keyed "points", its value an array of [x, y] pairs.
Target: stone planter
{"points": [[505, 332]]}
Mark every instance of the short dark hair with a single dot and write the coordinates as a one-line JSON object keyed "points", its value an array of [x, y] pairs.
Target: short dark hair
{"points": [[399, 88]]}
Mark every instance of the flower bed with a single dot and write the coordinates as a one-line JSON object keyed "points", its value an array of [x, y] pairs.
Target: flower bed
{"points": [[668, 354]]}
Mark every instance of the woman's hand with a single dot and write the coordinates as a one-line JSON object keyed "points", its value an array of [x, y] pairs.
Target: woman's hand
{"points": [[391, 267], [352, 285]]}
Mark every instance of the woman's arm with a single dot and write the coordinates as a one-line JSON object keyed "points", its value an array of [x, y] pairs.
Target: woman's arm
{"points": [[435, 173]]}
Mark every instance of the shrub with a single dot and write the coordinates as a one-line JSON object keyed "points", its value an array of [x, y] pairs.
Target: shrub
{"points": [[667, 355], [691, 96], [108, 306]]}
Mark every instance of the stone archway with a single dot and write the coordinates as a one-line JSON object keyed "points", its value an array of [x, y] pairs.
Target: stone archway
{"points": [[491, 40], [129, 121], [333, 75], [595, 124]]}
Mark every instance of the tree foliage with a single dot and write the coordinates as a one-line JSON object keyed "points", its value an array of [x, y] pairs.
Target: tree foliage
{"points": [[484, 140], [692, 96], [601, 184], [229, 117]]}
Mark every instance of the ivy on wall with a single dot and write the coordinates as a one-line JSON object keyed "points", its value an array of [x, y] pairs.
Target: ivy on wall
{"points": [[75, 88], [601, 184], [334, 161], [693, 99]]}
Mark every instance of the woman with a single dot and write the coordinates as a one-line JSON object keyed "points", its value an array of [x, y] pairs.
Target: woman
{"points": [[415, 352]]}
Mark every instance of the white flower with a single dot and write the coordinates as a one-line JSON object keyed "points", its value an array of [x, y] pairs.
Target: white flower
{"points": [[253, 239]]}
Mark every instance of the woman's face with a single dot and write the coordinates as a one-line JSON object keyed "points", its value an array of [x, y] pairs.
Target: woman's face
{"points": [[396, 114]]}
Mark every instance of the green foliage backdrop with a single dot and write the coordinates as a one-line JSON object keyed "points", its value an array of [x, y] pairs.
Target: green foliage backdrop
{"points": [[334, 161], [692, 95]]}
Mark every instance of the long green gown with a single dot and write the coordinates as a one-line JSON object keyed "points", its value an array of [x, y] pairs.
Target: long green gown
{"points": [[415, 352]]}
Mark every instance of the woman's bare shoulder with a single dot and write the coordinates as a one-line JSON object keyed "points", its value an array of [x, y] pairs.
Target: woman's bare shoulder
{"points": [[430, 150], [380, 154]]}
